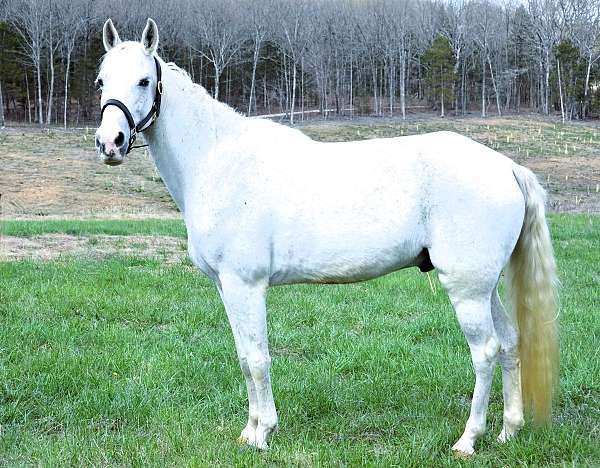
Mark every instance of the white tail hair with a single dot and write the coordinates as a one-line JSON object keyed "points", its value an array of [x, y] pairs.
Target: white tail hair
{"points": [[532, 283]]}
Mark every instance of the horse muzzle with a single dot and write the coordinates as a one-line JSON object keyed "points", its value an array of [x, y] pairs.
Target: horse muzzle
{"points": [[112, 151]]}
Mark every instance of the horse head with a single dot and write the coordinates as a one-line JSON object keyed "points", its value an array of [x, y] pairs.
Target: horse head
{"points": [[130, 85]]}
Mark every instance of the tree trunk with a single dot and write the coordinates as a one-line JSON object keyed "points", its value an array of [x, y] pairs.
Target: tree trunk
{"points": [[294, 73], [337, 86], [483, 89], [266, 101], [443, 97], [560, 91], [28, 97], [374, 74], [351, 89], [255, 58], [39, 97], [547, 84], [286, 86], [463, 96], [67, 86], [217, 79], [191, 63], [381, 83], [586, 87], [392, 72], [456, 67], [1, 107], [51, 87], [403, 86], [495, 87], [302, 89]]}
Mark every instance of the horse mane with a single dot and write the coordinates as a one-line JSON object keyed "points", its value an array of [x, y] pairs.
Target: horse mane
{"points": [[197, 89], [184, 74]]}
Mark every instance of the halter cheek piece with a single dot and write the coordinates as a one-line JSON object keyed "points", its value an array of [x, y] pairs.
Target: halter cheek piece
{"points": [[150, 117]]}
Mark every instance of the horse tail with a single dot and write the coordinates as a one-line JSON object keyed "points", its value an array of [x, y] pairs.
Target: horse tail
{"points": [[532, 283]]}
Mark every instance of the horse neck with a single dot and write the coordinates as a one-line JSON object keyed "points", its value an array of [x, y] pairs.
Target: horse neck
{"points": [[183, 137]]}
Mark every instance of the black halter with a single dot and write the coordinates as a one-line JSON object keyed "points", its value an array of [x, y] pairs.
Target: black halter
{"points": [[150, 117]]}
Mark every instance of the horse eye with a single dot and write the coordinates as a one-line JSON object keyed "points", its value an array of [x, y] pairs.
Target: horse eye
{"points": [[145, 82]]}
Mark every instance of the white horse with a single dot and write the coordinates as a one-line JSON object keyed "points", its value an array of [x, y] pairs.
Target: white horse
{"points": [[265, 205]]}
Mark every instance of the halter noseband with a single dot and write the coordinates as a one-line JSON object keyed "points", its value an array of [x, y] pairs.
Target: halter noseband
{"points": [[150, 117]]}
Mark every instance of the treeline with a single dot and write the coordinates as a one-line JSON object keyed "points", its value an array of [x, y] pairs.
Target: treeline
{"points": [[349, 57]]}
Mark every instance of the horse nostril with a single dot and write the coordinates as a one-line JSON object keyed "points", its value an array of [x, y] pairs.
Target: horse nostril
{"points": [[120, 139], [97, 142]]}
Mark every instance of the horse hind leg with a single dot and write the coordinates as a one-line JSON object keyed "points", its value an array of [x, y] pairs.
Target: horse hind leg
{"points": [[511, 369], [473, 311]]}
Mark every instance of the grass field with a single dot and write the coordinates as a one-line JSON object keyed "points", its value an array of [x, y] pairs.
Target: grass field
{"points": [[126, 360]]}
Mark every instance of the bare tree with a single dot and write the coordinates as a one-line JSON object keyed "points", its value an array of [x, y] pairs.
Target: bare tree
{"points": [[220, 35], [292, 27], [455, 27], [52, 44], [3, 17], [329, 53], [70, 24], [586, 35], [545, 20], [258, 27], [29, 20]]}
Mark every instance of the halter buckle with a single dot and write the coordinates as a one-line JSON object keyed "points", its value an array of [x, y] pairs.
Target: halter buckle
{"points": [[159, 87]]}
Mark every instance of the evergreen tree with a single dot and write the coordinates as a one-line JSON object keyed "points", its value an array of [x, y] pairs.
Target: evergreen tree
{"points": [[439, 63], [570, 70]]}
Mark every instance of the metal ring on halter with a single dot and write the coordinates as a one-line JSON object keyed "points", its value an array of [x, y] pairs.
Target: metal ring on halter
{"points": [[150, 117]]}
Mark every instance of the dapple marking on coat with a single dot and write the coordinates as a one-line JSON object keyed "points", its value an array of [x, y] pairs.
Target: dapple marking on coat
{"points": [[265, 205]]}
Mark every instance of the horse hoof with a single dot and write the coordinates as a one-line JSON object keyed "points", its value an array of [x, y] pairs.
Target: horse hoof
{"points": [[462, 449], [248, 436]]}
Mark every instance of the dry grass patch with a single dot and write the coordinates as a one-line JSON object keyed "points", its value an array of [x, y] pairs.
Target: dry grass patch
{"points": [[49, 246]]}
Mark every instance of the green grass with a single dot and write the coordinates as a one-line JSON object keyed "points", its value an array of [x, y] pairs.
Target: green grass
{"points": [[127, 361], [165, 227]]}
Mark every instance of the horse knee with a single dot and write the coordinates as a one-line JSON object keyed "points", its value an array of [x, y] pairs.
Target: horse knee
{"points": [[258, 365], [485, 355]]}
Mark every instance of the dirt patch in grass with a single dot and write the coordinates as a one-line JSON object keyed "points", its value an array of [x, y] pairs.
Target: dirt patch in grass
{"points": [[50, 246], [57, 173]]}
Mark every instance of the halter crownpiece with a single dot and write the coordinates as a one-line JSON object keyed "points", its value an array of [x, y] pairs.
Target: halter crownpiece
{"points": [[150, 117]]}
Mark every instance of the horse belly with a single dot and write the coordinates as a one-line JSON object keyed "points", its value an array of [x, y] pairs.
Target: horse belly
{"points": [[347, 254]]}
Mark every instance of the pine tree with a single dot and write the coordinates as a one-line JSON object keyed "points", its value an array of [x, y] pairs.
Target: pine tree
{"points": [[439, 64]]}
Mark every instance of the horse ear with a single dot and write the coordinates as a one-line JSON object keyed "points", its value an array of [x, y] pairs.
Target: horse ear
{"points": [[150, 37], [110, 36]]}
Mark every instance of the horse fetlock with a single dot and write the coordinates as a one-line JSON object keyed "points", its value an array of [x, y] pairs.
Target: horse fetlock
{"points": [[264, 433], [513, 421], [253, 418]]}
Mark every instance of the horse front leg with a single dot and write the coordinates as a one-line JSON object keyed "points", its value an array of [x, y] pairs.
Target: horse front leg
{"points": [[248, 434], [246, 310]]}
